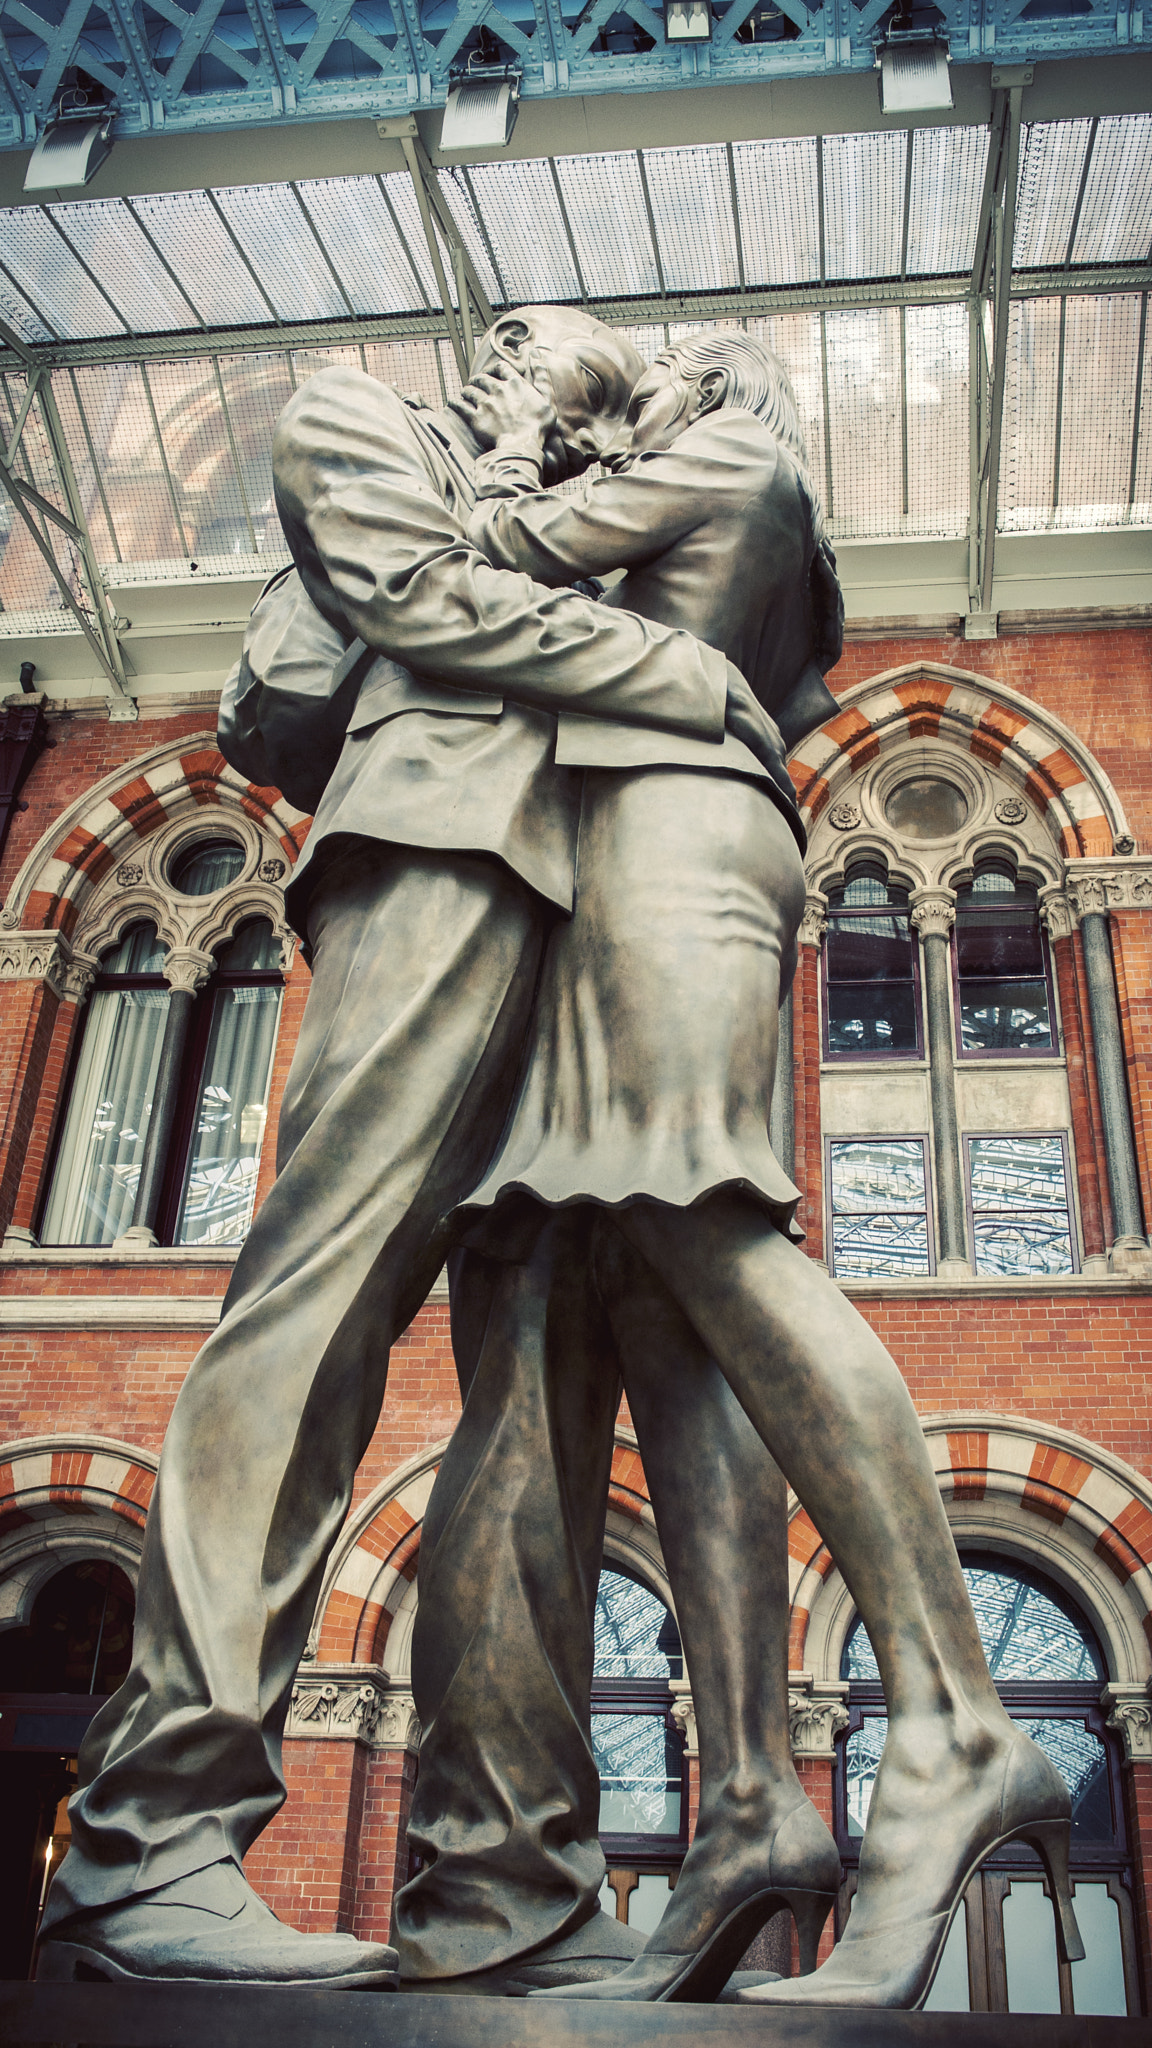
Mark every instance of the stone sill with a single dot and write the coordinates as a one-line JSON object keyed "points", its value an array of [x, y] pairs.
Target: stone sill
{"points": [[1056, 1286], [164, 1256]]}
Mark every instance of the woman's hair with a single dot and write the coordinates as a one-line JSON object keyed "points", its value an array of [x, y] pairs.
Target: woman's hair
{"points": [[757, 383]]}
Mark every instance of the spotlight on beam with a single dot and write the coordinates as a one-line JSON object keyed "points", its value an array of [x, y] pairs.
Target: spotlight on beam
{"points": [[914, 74], [687, 21], [483, 103], [76, 138]]}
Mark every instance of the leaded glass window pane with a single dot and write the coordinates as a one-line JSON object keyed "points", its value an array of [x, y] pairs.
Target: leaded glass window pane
{"points": [[1025, 1632], [1021, 1216], [1078, 1755], [1000, 967], [869, 969], [635, 1635], [879, 1207], [228, 1132], [640, 1770]]}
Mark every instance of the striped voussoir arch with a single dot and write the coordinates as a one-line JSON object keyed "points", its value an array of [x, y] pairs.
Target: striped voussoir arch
{"points": [[995, 724], [71, 1479], [1057, 1481], [121, 813]]}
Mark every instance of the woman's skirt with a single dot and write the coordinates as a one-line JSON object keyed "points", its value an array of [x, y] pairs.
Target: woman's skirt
{"points": [[650, 1068]]}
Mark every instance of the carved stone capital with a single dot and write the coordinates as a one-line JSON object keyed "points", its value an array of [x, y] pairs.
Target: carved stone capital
{"points": [[933, 912], [1130, 1716], [1103, 885], [352, 1703], [814, 922], [35, 956], [817, 1711], [188, 970], [684, 1714], [1057, 913]]}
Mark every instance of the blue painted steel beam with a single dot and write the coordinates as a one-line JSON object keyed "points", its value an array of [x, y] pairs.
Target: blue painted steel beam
{"points": [[189, 66]]}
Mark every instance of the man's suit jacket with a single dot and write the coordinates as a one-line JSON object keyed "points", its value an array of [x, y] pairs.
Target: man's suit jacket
{"points": [[451, 743]]}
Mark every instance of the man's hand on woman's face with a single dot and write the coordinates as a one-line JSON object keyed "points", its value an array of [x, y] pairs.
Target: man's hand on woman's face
{"points": [[499, 404]]}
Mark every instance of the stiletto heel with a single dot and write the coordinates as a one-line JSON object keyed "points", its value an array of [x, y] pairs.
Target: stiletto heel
{"points": [[1050, 1839], [810, 1911]]}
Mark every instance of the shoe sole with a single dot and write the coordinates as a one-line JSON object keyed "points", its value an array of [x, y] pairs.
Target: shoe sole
{"points": [[69, 1962]]}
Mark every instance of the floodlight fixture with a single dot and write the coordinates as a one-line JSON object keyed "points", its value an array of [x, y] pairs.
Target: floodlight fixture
{"points": [[483, 102], [687, 21], [76, 139], [914, 74]]}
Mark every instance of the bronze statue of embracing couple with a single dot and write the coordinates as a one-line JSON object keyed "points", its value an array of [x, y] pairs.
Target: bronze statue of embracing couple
{"points": [[550, 901]]}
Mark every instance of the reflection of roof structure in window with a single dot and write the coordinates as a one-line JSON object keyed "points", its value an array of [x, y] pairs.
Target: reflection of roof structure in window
{"points": [[1026, 1636], [628, 1622]]}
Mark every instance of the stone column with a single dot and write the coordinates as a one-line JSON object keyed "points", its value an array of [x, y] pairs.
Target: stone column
{"points": [[782, 1121], [1056, 914], [807, 1150], [56, 987], [1130, 1249], [933, 913], [186, 974]]}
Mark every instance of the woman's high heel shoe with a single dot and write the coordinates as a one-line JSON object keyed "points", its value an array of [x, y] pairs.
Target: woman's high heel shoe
{"points": [[890, 1960], [802, 1875]]}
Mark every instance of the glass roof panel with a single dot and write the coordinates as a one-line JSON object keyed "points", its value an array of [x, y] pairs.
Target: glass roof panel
{"points": [[936, 342], [112, 244], [947, 181], [214, 510], [776, 192], [1141, 508], [119, 420], [360, 235], [692, 208], [1029, 440], [647, 340], [605, 204], [409, 365], [256, 390], [1051, 166], [1100, 344], [26, 582], [522, 215], [402, 199], [89, 477], [1115, 223], [279, 244], [454, 185], [795, 338], [191, 237], [864, 421], [57, 285], [864, 204], [14, 309]]}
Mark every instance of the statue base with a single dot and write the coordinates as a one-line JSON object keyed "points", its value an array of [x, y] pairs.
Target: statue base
{"points": [[225, 2016]]}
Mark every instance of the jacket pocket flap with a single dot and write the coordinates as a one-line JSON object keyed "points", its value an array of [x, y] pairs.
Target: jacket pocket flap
{"points": [[388, 689]]}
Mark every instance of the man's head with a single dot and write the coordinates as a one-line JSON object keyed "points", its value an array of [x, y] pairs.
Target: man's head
{"points": [[589, 369]]}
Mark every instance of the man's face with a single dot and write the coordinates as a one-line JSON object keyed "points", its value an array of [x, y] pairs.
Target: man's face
{"points": [[590, 376], [658, 411]]}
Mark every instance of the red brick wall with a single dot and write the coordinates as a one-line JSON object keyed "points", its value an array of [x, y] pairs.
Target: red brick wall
{"points": [[391, 1782], [305, 1864]]}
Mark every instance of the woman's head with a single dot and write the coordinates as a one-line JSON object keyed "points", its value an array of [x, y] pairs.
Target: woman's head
{"points": [[707, 371]]}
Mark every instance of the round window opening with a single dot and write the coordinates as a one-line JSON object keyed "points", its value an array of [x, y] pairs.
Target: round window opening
{"points": [[210, 865], [926, 807]]}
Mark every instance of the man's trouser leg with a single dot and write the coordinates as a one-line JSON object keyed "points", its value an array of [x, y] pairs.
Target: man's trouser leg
{"points": [[424, 967], [507, 1798]]}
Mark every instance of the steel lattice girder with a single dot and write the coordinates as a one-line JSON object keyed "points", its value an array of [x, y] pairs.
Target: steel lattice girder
{"points": [[183, 67]]}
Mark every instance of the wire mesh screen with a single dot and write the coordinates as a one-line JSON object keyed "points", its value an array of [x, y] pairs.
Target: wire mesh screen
{"points": [[1141, 485], [692, 208], [360, 234], [522, 215], [944, 205], [275, 236], [864, 421], [936, 403], [1115, 223], [192, 237], [1100, 344], [795, 338], [89, 479], [139, 499], [454, 186], [1051, 165], [112, 243], [776, 192], [44, 267], [27, 582], [15, 309], [397, 185], [411, 366], [863, 204], [605, 205], [647, 340], [1029, 445]]}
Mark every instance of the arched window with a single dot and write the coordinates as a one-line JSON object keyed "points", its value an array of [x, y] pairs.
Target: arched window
{"points": [[1003, 993], [1049, 1669], [167, 1099], [638, 1748], [871, 1006]]}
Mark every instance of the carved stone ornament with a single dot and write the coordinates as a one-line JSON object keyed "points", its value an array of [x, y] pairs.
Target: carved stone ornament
{"points": [[814, 922], [1103, 885], [1130, 1718], [845, 816], [129, 873], [1011, 810], [273, 870], [1056, 913], [817, 1711], [933, 912], [684, 1714], [188, 970], [35, 956], [349, 1704]]}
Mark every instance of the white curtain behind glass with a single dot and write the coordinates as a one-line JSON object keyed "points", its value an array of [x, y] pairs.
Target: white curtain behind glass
{"points": [[102, 1143], [220, 1185]]}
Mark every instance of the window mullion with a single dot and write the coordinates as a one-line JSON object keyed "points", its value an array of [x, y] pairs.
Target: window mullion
{"points": [[185, 974]]}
